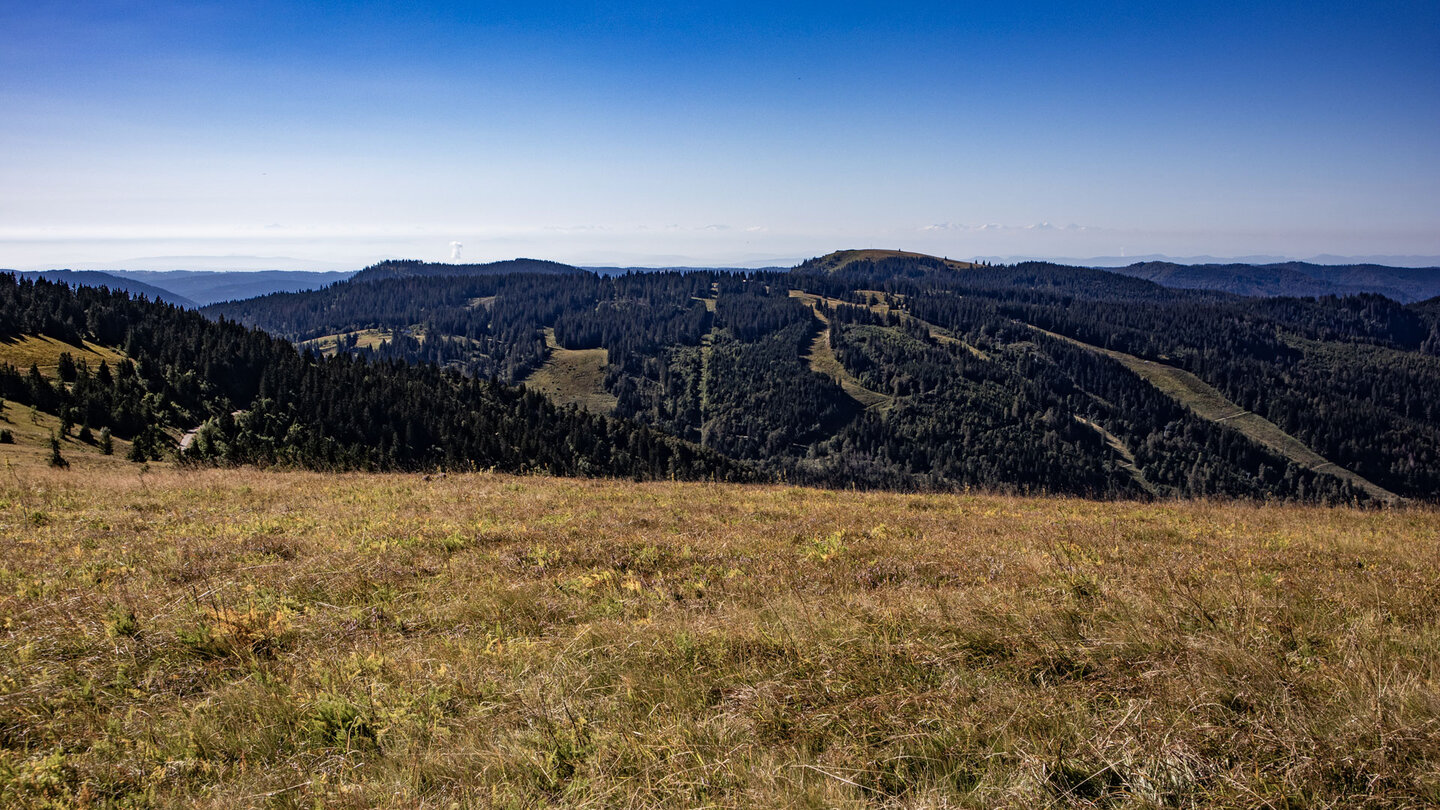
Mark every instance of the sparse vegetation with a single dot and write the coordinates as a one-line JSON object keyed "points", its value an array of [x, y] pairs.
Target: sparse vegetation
{"points": [[227, 638]]}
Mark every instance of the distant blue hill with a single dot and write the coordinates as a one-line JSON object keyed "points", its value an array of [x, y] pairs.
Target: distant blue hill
{"points": [[204, 287], [95, 278], [413, 268], [1404, 284]]}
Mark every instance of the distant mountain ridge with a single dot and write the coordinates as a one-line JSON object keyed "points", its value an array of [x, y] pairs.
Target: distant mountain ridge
{"points": [[200, 288], [249, 398], [901, 370], [415, 268], [1304, 279], [95, 278], [1384, 260], [205, 287]]}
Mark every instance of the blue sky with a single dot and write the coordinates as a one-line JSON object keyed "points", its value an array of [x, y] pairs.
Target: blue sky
{"points": [[635, 133]]}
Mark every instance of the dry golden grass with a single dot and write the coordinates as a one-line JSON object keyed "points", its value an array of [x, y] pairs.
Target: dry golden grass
{"points": [[364, 338], [573, 377], [44, 353], [228, 638]]}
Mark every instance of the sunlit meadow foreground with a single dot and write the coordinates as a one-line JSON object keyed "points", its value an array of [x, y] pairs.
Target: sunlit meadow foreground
{"points": [[232, 638]]}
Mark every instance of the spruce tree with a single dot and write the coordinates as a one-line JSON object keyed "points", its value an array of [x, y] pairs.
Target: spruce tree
{"points": [[66, 368], [137, 447], [56, 460]]}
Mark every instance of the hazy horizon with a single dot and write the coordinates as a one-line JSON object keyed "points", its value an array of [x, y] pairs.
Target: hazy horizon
{"points": [[341, 134], [256, 264]]}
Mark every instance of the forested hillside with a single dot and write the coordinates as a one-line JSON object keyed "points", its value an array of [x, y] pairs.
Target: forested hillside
{"points": [[1294, 278], [250, 397], [93, 278], [1025, 378], [410, 268], [210, 286]]}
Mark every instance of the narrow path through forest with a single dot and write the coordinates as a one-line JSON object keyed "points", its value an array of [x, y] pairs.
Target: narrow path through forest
{"points": [[1119, 447]]}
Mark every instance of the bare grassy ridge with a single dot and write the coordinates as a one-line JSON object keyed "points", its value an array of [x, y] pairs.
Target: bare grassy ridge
{"points": [[238, 638], [841, 259]]}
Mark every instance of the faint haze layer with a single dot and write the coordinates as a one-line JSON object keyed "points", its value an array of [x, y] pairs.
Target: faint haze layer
{"points": [[333, 134]]}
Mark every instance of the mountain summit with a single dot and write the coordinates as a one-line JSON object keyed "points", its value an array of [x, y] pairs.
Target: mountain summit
{"points": [[844, 259]]}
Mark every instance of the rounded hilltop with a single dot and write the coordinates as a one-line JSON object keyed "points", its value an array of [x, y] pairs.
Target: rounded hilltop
{"points": [[843, 259]]}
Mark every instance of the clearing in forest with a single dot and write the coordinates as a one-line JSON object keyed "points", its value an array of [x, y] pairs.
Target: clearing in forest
{"points": [[573, 377], [821, 358], [1208, 403], [44, 353], [876, 301], [1128, 463], [364, 339]]}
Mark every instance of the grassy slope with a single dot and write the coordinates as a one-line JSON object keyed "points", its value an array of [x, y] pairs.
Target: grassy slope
{"points": [[44, 352], [821, 359], [1208, 403], [232, 638], [573, 377], [31, 431], [366, 339]]}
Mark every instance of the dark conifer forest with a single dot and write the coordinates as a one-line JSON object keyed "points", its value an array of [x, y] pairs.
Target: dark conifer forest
{"points": [[253, 398], [894, 371]]}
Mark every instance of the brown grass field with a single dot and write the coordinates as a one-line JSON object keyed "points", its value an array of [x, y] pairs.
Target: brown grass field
{"points": [[44, 353], [573, 377], [235, 638], [365, 339]]}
